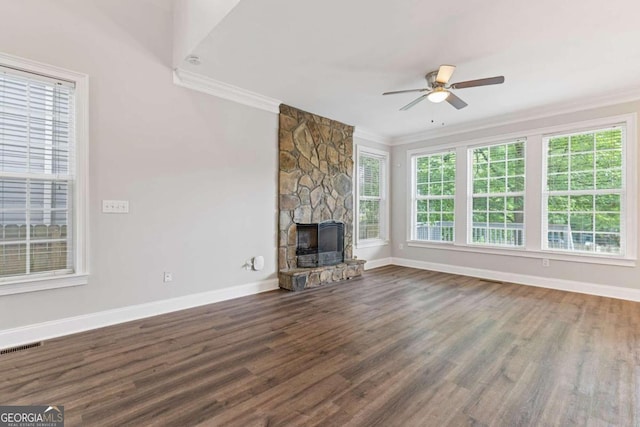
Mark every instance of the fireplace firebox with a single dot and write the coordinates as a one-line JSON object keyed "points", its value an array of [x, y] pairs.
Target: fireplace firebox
{"points": [[320, 244]]}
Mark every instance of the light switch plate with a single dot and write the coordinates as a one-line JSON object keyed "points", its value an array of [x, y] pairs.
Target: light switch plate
{"points": [[115, 206]]}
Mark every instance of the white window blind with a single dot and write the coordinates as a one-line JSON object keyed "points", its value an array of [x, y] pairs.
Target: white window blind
{"points": [[370, 196], [498, 193], [434, 197], [585, 191], [37, 174]]}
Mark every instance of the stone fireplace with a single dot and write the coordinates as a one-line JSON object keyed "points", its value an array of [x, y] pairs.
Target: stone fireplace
{"points": [[315, 187]]}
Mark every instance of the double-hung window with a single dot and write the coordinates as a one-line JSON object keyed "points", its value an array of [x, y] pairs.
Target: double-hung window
{"points": [[38, 178], [434, 190], [584, 193], [372, 196], [498, 192], [564, 192]]}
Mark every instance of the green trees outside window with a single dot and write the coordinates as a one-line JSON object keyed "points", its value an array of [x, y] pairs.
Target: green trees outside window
{"points": [[498, 179], [584, 191], [434, 196]]}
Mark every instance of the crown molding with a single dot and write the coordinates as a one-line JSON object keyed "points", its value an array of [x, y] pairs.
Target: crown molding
{"points": [[369, 135], [522, 116], [220, 89]]}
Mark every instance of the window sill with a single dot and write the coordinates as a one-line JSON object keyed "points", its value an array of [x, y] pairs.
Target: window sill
{"points": [[25, 285], [371, 243], [524, 253]]}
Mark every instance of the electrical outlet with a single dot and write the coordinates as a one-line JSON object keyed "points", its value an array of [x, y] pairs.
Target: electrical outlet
{"points": [[115, 206], [168, 276], [545, 262], [401, 246]]}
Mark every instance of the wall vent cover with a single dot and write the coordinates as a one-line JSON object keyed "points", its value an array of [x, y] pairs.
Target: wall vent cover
{"points": [[20, 348]]}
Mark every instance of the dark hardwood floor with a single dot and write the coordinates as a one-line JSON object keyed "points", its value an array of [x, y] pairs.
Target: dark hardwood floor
{"points": [[399, 347]]}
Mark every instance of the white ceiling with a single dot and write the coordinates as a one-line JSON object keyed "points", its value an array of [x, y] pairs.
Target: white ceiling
{"points": [[336, 57]]}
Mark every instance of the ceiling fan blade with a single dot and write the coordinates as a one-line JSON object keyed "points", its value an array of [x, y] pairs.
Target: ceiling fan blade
{"points": [[455, 101], [405, 91], [414, 102], [444, 73], [480, 82]]}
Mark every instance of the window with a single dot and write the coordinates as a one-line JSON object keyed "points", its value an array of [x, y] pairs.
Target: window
{"points": [[584, 195], [565, 192], [433, 197], [497, 204], [372, 187], [41, 221]]}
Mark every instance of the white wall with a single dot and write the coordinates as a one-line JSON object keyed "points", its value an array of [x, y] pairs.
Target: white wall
{"points": [[615, 276], [377, 252], [200, 172]]}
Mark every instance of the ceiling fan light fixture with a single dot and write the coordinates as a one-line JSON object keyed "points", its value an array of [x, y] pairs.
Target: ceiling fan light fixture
{"points": [[438, 95], [438, 88]]}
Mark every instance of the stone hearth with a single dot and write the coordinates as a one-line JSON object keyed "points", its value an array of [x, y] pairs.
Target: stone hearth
{"points": [[297, 279], [315, 185]]}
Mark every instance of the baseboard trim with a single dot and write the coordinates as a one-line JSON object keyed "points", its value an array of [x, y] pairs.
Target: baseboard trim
{"points": [[71, 325], [377, 263], [524, 279]]}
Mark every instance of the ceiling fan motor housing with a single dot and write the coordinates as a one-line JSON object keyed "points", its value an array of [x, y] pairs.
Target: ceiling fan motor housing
{"points": [[431, 79], [439, 89]]}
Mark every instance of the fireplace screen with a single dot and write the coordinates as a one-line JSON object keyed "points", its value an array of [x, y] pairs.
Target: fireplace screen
{"points": [[320, 244]]}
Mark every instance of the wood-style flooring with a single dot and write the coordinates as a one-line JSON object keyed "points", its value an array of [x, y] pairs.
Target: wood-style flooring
{"points": [[399, 347]]}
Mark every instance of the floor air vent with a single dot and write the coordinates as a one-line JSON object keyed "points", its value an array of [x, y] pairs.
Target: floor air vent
{"points": [[20, 348]]}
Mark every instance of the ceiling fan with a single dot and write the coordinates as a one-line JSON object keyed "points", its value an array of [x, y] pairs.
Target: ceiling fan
{"points": [[439, 90]]}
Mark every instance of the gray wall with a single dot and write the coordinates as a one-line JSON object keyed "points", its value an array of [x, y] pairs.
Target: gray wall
{"points": [[199, 172], [589, 273]]}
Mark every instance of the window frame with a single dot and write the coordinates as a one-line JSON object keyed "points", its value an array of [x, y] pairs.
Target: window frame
{"points": [[469, 202], [366, 151], [413, 195], [623, 192], [79, 212], [533, 191]]}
